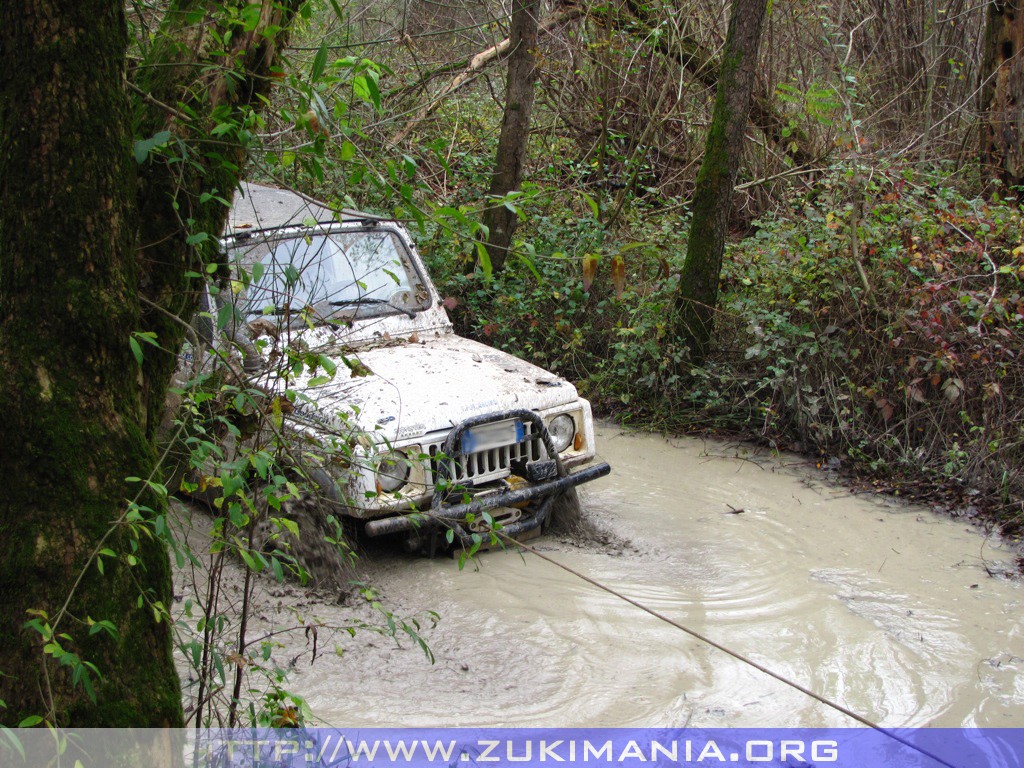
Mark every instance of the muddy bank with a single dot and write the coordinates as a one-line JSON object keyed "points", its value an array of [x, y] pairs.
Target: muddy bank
{"points": [[887, 609]]}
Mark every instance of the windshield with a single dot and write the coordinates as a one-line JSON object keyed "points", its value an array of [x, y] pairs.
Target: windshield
{"points": [[347, 271]]}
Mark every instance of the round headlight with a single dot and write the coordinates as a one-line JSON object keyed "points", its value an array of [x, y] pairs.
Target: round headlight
{"points": [[562, 430], [392, 471]]}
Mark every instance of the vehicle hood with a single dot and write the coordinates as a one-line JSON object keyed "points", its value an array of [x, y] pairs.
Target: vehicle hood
{"points": [[401, 389]]}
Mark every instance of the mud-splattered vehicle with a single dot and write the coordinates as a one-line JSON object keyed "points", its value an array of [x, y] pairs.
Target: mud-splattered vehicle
{"points": [[405, 426]]}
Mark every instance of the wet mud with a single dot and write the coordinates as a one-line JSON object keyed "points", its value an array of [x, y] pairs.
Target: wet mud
{"points": [[885, 608]]}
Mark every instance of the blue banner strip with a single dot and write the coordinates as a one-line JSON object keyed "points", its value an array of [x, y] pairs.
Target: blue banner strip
{"points": [[578, 747]]}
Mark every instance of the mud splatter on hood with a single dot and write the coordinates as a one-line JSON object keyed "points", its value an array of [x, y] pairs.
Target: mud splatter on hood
{"points": [[402, 389]]}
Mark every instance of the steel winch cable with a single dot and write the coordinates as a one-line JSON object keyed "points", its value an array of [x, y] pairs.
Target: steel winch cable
{"points": [[735, 654]]}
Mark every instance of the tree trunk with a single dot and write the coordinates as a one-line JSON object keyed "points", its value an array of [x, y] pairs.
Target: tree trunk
{"points": [[699, 62], [712, 199], [1002, 95], [70, 389], [515, 130], [95, 248]]}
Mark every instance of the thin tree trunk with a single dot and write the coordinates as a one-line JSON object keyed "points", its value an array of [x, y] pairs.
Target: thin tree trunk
{"points": [[712, 200], [499, 219]]}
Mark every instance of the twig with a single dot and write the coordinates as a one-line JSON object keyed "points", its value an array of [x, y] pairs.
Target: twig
{"points": [[783, 174], [157, 103], [992, 296], [849, 45]]}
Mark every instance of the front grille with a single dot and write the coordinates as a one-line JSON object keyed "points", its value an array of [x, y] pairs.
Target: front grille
{"points": [[482, 466]]}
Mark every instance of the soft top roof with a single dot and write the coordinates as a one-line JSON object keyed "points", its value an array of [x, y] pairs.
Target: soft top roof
{"points": [[257, 207]]}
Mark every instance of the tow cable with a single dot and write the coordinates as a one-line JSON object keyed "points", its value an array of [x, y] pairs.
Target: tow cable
{"points": [[736, 655]]}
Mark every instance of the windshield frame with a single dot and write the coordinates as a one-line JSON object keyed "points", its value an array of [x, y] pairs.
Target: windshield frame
{"points": [[246, 249]]}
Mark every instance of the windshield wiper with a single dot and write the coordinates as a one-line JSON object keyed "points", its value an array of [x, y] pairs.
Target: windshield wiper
{"points": [[371, 300]]}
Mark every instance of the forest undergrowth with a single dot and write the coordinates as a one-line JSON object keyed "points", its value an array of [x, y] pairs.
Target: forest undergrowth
{"points": [[874, 321]]}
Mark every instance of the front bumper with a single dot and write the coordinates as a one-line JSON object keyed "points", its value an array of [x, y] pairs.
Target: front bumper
{"points": [[452, 516]]}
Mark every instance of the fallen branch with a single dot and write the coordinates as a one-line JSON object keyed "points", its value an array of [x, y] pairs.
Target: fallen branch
{"points": [[476, 65], [688, 52]]}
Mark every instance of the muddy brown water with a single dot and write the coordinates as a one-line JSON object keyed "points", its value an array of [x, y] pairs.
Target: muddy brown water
{"points": [[885, 608]]}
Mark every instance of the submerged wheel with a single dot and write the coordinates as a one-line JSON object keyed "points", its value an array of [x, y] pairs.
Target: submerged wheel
{"points": [[565, 515], [324, 550]]}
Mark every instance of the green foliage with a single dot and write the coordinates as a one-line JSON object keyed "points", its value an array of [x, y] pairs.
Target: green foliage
{"points": [[917, 381], [611, 342], [273, 514]]}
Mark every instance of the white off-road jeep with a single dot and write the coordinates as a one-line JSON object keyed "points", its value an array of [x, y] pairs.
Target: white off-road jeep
{"points": [[406, 426]]}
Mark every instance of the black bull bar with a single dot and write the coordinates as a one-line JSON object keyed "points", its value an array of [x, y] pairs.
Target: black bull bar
{"points": [[442, 515]]}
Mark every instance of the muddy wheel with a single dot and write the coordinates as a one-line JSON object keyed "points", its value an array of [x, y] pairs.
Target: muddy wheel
{"points": [[565, 515], [314, 549]]}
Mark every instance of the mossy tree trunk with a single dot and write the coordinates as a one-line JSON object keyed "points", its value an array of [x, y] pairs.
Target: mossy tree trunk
{"points": [[697, 295], [515, 130], [1002, 95], [699, 61], [93, 249]]}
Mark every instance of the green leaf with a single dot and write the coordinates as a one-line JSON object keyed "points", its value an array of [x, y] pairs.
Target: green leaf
{"points": [[103, 626], [328, 365], [249, 560], [365, 87], [319, 62], [348, 150], [224, 316], [30, 721], [136, 349], [485, 259], [454, 213], [143, 147], [147, 336], [528, 261], [14, 740]]}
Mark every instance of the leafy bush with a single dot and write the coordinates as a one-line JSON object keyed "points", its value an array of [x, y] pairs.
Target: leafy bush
{"points": [[903, 362]]}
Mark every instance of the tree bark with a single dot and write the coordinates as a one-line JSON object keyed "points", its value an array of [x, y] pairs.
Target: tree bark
{"points": [[499, 220], [94, 248], [712, 199], [1002, 96], [69, 385]]}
